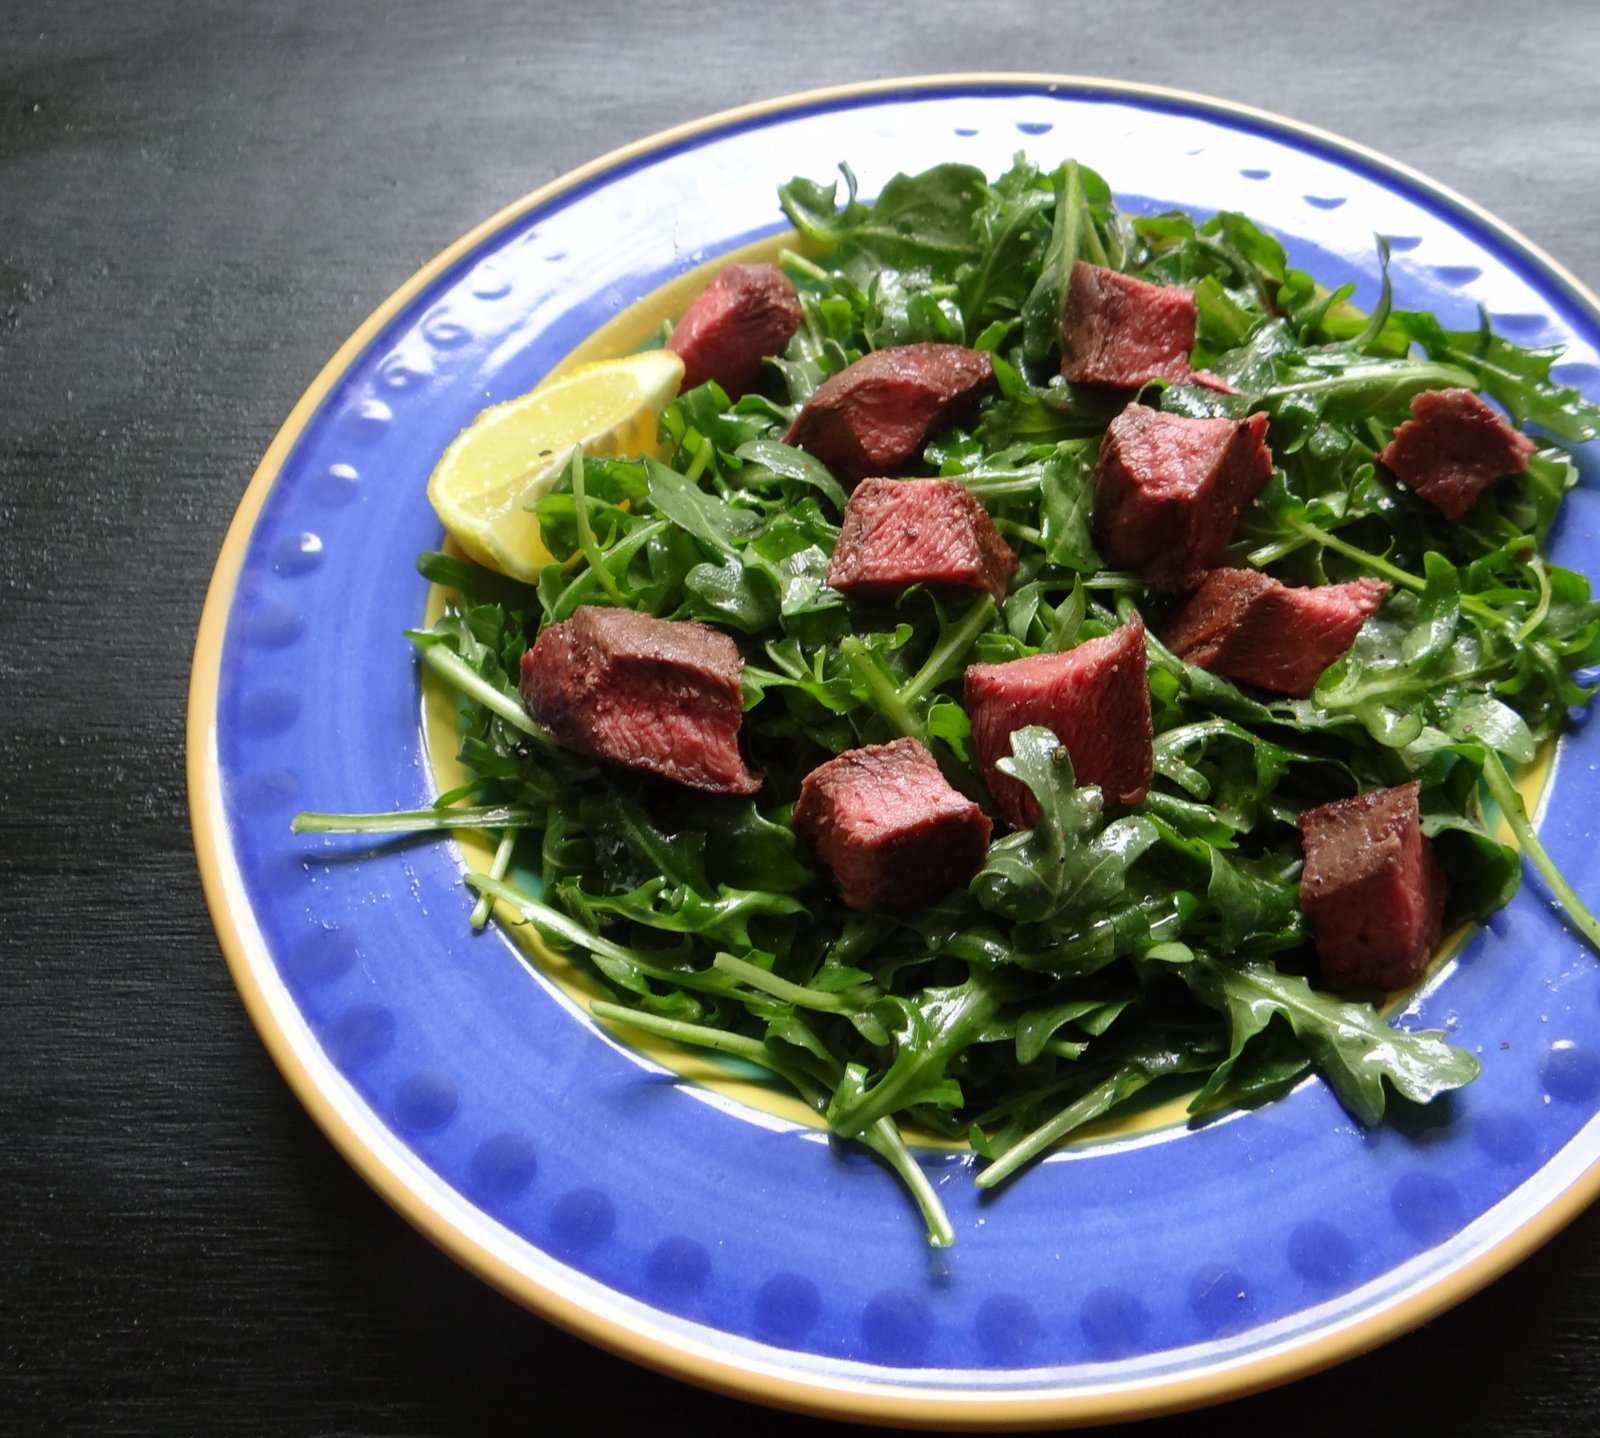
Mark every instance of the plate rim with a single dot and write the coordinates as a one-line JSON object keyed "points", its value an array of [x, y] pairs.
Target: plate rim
{"points": [[829, 1396]]}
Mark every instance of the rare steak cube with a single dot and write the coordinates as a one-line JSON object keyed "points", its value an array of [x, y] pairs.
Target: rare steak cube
{"points": [[900, 532], [1371, 889], [660, 695], [890, 827], [1245, 625], [1454, 446], [745, 314], [874, 416], [1095, 699], [1123, 332], [1168, 491]]}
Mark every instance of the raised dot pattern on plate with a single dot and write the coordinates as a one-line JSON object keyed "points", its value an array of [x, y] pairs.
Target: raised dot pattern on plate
{"points": [[426, 1102], [336, 486], [368, 421], [1571, 1071], [1322, 1254], [896, 1326], [296, 554], [581, 1220], [271, 626], [1007, 1328]]}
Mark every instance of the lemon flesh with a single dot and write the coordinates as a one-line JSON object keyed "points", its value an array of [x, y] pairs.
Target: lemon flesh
{"points": [[513, 452]]}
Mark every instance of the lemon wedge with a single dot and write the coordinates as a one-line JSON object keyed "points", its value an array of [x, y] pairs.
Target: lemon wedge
{"points": [[513, 452]]}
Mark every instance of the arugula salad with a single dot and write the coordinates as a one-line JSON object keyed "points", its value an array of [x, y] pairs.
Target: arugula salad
{"points": [[1109, 954]]}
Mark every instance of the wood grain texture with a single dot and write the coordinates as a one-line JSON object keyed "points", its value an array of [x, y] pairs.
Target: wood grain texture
{"points": [[198, 202]]}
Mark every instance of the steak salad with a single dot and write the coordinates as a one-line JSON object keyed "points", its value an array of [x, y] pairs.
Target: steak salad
{"points": [[1058, 658]]}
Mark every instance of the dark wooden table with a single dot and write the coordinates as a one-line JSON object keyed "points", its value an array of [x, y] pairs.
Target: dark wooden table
{"points": [[198, 202]]}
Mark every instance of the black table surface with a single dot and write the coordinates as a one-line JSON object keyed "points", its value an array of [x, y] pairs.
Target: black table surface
{"points": [[198, 202]]}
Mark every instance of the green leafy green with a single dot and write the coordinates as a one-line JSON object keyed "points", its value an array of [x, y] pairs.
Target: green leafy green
{"points": [[1106, 956], [1351, 1045], [1069, 864]]}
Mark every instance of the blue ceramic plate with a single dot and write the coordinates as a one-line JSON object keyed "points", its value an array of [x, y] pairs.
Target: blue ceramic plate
{"points": [[718, 1242]]}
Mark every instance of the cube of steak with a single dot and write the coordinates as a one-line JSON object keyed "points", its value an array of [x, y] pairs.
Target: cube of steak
{"points": [[900, 532], [1168, 491], [1372, 890], [745, 314], [1245, 625], [1453, 448], [659, 695], [889, 826], [874, 415], [1116, 330], [1095, 699]]}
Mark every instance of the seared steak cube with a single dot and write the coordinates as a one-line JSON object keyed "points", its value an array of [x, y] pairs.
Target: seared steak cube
{"points": [[1454, 446], [660, 695], [900, 532], [745, 314], [890, 827], [1095, 699], [1372, 890], [1119, 331], [874, 416], [1168, 491], [1246, 625]]}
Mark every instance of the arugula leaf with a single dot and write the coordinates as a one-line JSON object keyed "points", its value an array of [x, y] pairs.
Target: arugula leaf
{"points": [[724, 917], [1041, 311], [1068, 864], [928, 1030], [916, 220], [1154, 1054], [1350, 1044], [1255, 906], [763, 457], [1518, 378]]}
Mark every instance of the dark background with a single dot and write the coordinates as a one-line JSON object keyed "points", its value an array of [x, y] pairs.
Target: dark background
{"points": [[198, 202]]}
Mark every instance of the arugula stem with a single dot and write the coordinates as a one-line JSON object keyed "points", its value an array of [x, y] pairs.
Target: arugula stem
{"points": [[498, 867], [949, 649], [1403, 577], [623, 550], [1505, 794], [1542, 608], [644, 963], [793, 260], [586, 540], [1025, 532], [552, 921], [999, 486], [701, 459], [1090, 1106], [882, 1137], [1089, 241], [1272, 553], [460, 792], [455, 670], [1421, 373], [413, 821], [883, 693], [796, 994], [702, 1036]]}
